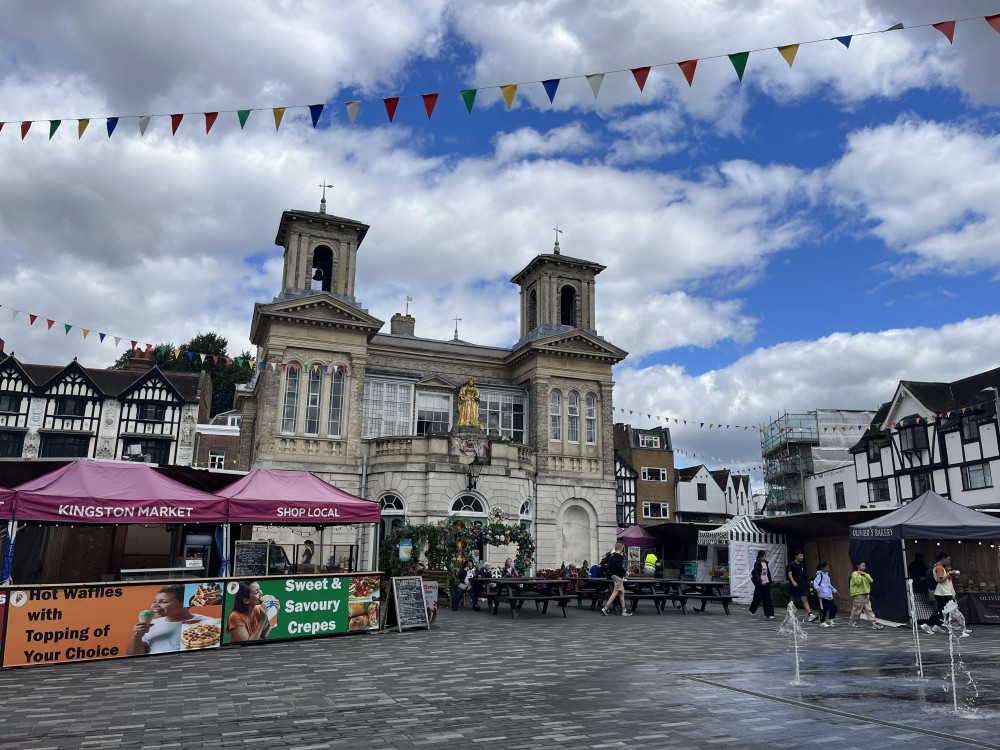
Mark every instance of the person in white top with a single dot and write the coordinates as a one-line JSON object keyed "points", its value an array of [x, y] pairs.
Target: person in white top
{"points": [[944, 592]]}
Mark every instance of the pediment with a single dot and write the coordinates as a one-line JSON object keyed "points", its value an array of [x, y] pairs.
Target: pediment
{"points": [[576, 343], [436, 381], [317, 310]]}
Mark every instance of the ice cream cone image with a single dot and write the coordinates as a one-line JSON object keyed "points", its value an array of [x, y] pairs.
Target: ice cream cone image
{"points": [[146, 616]]}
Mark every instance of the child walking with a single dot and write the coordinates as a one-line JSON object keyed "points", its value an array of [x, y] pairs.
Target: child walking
{"points": [[825, 592]]}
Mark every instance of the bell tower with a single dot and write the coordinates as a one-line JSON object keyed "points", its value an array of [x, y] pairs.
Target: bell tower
{"points": [[321, 252]]}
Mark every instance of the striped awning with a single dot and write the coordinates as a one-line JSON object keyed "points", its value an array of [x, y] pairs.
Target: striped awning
{"points": [[739, 529]]}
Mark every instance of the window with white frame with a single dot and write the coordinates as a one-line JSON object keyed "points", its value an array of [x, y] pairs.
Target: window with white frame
{"points": [[290, 406], [555, 417], [217, 459], [878, 491], [656, 510], [433, 412], [573, 417], [314, 394], [335, 417], [234, 420], [970, 429], [503, 414], [468, 505], [590, 404], [649, 441], [976, 476], [388, 407], [654, 474]]}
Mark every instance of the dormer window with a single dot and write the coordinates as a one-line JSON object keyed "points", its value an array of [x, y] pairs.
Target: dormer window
{"points": [[874, 451], [152, 412], [913, 438], [71, 407]]}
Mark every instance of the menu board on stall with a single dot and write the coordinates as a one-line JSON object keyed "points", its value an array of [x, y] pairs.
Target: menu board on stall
{"points": [[406, 606], [300, 607], [52, 624], [250, 559]]}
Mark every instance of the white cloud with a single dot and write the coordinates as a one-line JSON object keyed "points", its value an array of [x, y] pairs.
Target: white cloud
{"points": [[566, 140]]}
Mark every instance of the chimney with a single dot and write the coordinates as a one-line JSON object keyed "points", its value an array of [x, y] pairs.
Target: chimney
{"points": [[403, 325], [140, 362]]}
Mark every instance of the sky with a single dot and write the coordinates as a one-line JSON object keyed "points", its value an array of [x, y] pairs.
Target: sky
{"points": [[804, 238]]}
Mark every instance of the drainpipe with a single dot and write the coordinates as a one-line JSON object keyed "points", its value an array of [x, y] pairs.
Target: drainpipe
{"points": [[364, 494]]}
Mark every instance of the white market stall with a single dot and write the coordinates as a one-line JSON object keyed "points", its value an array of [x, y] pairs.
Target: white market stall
{"points": [[744, 539]]}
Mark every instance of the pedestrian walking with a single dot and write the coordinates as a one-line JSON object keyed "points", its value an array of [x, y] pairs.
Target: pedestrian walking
{"points": [[944, 592], [825, 591], [761, 577], [795, 572], [616, 566], [861, 586]]}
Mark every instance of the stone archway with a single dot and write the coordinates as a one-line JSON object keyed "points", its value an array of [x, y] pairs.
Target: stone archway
{"points": [[577, 532]]}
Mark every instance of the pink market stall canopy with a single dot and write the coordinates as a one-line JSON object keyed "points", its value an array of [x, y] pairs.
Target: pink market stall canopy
{"points": [[636, 536], [101, 492], [6, 504], [273, 496]]}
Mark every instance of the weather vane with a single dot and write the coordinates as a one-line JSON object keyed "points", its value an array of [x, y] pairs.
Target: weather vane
{"points": [[322, 203], [558, 232], [408, 301]]}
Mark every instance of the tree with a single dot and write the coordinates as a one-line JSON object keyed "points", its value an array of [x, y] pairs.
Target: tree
{"points": [[224, 377]]}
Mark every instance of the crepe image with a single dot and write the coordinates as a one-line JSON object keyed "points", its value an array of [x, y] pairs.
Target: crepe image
{"points": [[357, 609], [358, 623]]}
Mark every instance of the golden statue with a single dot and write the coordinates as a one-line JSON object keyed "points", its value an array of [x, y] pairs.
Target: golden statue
{"points": [[468, 405]]}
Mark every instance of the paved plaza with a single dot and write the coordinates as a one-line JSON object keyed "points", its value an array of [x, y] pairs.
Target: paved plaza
{"points": [[477, 680]]}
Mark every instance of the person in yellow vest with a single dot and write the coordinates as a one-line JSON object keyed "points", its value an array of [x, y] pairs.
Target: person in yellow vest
{"points": [[650, 565]]}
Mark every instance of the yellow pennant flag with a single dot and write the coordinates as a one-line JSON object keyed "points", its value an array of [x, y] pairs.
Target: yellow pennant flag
{"points": [[788, 52], [85, 332], [279, 112], [177, 353], [508, 93], [82, 125]]}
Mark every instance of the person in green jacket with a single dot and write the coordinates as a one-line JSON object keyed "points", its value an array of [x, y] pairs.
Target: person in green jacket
{"points": [[861, 586]]}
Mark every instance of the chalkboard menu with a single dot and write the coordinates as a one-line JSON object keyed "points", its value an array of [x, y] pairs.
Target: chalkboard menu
{"points": [[250, 560], [406, 607]]}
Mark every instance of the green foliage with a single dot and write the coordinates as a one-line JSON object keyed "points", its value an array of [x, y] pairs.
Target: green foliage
{"points": [[224, 377]]}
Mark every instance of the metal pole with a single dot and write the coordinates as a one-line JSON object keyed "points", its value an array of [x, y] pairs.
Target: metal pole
{"points": [[911, 606]]}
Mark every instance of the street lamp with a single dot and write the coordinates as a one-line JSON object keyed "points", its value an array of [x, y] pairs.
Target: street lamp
{"points": [[475, 469]]}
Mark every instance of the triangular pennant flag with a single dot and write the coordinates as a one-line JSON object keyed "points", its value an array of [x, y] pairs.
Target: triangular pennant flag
{"points": [[134, 343], [53, 127], [210, 118], [202, 358], [895, 27], [551, 86], [228, 361], [102, 335], [215, 359], [143, 123], [595, 80], [994, 21], [25, 127], [352, 111], [326, 368], [469, 96], [118, 340], [845, 40], [149, 347], [789, 51], [163, 351], [279, 112], [315, 110], [239, 362], [390, 106], [32, 318], [640, 75], [2, 124], [112, 124], [50, 322], [81, 125], [243, 114], [430, 101], [508, 93], [687, 68], [294, 367], [85, 332], [177, 353], [67, 326], [739, 61], [947, 28], [190, 356]]}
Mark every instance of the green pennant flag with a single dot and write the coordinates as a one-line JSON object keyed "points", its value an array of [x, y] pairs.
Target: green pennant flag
{"points": [[739, 61], [68, 327], [53, 127], [163, 351], [469, 95], [239, 361], [243, 114]]}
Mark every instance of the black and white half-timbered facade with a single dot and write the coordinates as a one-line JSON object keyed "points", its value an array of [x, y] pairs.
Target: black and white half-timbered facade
{"points": [[933, 436], [49, 411]]}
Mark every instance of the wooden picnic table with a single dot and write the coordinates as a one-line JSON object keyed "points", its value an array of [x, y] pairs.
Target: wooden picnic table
{"points": [[707, 591], [517, 591]]}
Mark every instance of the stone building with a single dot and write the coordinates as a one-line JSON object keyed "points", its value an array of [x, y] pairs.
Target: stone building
{"points": [[377, 413]]}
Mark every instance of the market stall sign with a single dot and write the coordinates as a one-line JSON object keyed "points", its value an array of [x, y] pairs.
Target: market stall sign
{"points": [[406, 605], [250, 559]]}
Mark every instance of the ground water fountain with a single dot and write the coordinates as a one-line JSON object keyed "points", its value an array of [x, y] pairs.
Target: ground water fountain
{"points": [[911, 603], [954, 623], [792, 627]]}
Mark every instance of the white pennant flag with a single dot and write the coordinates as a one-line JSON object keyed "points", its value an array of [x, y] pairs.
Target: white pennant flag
{"points": [[143, 122], [274, 365], [118, 340], [13, 313], [352, 110], [595, 82], [202, 358]]}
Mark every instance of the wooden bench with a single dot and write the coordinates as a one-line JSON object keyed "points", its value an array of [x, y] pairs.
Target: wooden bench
{"points": [[725, 600], [517, 599]]}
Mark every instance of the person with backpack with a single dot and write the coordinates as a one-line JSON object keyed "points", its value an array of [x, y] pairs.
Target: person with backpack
{"points": [[825, 591], [616, 566], [861, 586], [761, 577]]}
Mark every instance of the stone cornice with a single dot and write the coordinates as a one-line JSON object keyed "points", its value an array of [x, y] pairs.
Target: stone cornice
{"points": [[577, 344], [306, 312]]}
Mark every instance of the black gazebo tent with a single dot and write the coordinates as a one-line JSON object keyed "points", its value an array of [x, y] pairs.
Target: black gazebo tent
{"points": [[881, 544]]}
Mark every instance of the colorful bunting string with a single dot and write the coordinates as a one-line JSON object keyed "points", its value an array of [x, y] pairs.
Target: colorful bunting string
{"points": [[738, 60]]}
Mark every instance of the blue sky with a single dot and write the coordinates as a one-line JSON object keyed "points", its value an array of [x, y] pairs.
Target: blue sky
{"points": [[803, 239]]}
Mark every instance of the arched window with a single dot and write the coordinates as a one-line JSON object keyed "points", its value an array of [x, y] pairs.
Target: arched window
{"points": [[322, 270], [393, 515], [591, 417], [335, 418], [555, 417], [314, 394], [468, 505], [532, 310], [567, 306], [573, 417], [290, 406]]}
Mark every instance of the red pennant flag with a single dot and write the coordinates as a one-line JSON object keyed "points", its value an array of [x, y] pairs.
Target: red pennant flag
{"points": [[994, 21], [640, 76], [210, 118], [149, 347], [947, 28], [33, 319], [430, 100], [215, 359], [50, 322], [175, 121], [25, 126], [687, 68], [283, 366], [134, 343], [229, 361], [390, 106], [295, 367]]}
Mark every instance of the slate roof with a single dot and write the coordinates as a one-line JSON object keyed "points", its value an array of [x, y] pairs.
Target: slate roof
{"points": [[113, 383]]}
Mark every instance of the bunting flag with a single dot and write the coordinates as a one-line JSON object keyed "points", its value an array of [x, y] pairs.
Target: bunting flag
{"points": [[143, 124], [53, 127], [279, 112], [595, 80], [243, 115], [81, 125], [210, 118], [687, 68], [508, 93], [994, 21], [430, 101], [68, 327], [640, 75], [845, 40], [175, 122], [469, 96], [112, 124], [315, 110], [789, 51], [25, 127], [352, 110], [948, 29], [551, 86], [390, 106], [739, 61]]}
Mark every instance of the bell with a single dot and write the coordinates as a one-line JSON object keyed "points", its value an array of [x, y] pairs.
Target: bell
{"points": [[318, 275]]}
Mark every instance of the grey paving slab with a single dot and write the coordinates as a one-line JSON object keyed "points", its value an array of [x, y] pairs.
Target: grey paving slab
{"points": [[477, 680]]}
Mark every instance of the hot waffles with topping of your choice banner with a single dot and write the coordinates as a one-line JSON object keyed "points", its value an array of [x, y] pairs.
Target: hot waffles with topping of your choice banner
{"points": [[201, 634], [206, 595]]}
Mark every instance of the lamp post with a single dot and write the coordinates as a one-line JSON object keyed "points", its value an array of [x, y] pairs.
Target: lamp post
{"points": [[475, 469]]}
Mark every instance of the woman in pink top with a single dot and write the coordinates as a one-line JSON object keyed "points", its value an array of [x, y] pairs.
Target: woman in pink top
{"points": [[761, 577]]}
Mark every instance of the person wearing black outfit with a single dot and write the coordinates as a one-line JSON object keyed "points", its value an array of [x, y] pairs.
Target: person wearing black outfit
{"points": [[616, 566], [916, 571], [795, 572], [761, 577]]}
